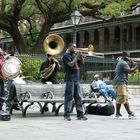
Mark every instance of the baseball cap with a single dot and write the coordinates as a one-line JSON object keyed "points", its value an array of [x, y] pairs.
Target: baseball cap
{"points": [[96, 75], [72, 45]]}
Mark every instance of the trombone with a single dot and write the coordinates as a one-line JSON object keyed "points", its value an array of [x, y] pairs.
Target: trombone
{"points": [[136, 60], [89, 51]]}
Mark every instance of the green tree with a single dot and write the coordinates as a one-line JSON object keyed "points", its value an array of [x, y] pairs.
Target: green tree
{"points": [[49, 12], [10, 12]]}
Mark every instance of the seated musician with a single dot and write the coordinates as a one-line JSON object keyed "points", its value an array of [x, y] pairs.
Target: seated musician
{"points": [[12, 98], [49, 69], [103, 89]]}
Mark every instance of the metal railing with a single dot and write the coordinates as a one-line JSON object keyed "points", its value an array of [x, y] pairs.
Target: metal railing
{"points": [[93, 65]]}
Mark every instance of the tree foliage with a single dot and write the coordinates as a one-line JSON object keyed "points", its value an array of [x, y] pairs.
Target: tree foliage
{"points": [[20, 17], [116, 7]]}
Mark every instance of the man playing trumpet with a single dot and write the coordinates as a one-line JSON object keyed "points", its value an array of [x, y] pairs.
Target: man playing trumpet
{"points": [[72, 61], [120, 83]]}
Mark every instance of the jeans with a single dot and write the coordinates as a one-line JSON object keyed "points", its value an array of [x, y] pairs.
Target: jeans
{"points": [[11, 93], [1, 93], [106, 93], [72, 90]]}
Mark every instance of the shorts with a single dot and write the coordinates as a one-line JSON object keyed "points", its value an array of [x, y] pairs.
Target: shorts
{"points": [[122, 93]]}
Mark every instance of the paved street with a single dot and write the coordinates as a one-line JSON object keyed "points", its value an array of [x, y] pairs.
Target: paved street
{"points": [[50, 127]]}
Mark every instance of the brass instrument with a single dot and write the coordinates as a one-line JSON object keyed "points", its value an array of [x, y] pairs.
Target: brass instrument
{"points": [[89, 51], [135, 59], [131, 59], [48, 71], [133, 62], [53, 45]]}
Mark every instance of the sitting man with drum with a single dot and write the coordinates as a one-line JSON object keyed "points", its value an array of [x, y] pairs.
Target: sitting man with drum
{"points": [[2, 59], [12, 99]]}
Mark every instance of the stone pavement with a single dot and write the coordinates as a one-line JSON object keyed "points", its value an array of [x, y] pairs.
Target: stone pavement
{"points": [[50, 127]]}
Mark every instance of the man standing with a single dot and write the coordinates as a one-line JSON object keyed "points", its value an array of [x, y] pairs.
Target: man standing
{"points": [[72, 62], [120, 84]]}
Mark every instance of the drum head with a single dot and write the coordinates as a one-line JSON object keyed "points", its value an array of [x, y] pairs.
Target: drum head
{"points": [[10, 70], [14, 60]]}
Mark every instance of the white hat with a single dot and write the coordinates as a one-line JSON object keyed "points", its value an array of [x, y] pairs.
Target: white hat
{"points": [[74, 45], [96, 75]]}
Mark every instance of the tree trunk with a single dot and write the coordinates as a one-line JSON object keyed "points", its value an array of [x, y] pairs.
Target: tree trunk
{"points": [[11, 27], [19, 41], [42, 35]]}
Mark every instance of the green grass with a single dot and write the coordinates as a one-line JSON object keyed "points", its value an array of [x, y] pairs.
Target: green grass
{"points": [[134, 78]]}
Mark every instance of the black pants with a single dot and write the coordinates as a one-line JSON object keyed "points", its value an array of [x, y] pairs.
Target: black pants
{"points": [[1, 93]]}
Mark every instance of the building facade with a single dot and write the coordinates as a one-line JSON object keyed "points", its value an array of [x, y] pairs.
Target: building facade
{"points": [[110, 37]]}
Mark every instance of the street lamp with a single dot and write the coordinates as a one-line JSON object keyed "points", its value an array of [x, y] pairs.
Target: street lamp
{"points": [[76, 18]]}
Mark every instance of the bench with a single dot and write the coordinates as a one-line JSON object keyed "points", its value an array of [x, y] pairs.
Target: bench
{"points": [[44, 94]]}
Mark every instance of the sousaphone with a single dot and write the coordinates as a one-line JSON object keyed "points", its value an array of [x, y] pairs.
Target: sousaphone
{"points": [[53, 45]]}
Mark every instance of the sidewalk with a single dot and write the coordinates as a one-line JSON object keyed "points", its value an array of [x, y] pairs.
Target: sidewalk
{"points": [[49, 127]]}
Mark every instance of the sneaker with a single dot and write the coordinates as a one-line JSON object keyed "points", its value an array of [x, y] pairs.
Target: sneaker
{"points": [[131, 115], [109, 101], [118, 115], [67, 118], [16, 107], [82, 118]]}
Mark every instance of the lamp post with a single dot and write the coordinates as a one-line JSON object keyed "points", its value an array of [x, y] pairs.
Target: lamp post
{"points": [[76, 18]]}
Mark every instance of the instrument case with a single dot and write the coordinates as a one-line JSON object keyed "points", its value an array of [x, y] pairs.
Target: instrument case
{"points": [[101, 109]]}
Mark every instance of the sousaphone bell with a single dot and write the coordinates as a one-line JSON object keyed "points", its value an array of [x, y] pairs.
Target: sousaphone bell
{"points": [[53, 44]]}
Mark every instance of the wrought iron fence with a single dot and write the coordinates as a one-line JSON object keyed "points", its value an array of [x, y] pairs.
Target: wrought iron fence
{"points": [[104, 66]]}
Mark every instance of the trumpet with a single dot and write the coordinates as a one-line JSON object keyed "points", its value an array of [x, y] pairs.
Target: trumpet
{"points": [[89, 51], [132, 61], [135, 59]]}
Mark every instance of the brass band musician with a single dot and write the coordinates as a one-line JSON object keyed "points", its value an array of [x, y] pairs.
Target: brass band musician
{"points": [[72, 61], [49, 69], [123, 68], [3, 57]]}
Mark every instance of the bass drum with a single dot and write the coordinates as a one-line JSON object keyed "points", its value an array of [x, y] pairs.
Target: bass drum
{"points": [[14, 60], [11, 68]]}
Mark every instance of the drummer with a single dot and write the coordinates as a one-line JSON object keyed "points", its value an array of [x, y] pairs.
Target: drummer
{"points": [[2, 59], [11, 91]]}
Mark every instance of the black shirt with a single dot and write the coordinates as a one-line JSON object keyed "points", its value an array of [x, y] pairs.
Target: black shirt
{"points": [[71, 73], [53, 77]]}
